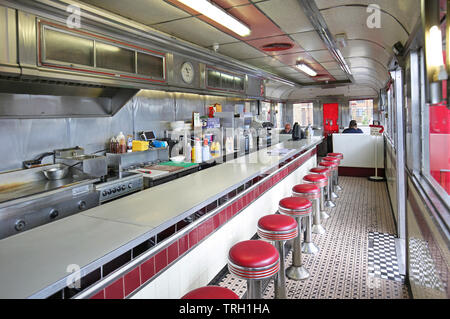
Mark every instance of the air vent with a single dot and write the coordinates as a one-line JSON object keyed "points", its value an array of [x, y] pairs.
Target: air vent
{"points": [[277, 47]]}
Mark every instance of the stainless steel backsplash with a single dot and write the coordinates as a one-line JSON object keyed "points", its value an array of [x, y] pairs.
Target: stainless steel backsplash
{"points": [[24, 139]]}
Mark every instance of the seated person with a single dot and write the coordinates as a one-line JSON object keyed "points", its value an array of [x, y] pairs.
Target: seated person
{"points": [[352, 128], [287, 129]]}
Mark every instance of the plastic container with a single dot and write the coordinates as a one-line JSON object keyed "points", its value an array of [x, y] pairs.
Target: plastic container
{"points": [[198, 151], [129, 143], [206, 153], [139, 146], [122, 143], [188, 152]]}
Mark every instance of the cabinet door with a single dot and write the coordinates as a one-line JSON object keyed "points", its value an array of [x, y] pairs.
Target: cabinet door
{"points": [[330, 118]]}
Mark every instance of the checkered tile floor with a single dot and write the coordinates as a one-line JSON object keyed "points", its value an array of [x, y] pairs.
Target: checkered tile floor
{"points": [[383, 257], [342, 268], [423, 271]]}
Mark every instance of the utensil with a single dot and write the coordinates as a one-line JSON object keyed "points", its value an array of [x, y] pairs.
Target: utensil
{"points": [[58, 173], [177, 159]]}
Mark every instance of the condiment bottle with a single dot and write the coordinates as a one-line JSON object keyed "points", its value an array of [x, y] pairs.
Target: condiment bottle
{"points": [[113, 145], [122, 143]]}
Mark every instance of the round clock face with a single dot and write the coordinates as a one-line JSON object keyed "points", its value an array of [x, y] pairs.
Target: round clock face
{"points": [[187, 72]]}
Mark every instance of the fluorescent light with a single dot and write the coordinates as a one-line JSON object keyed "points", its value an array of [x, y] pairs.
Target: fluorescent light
{"points": [[435, 57], [218, 15], [304, 68]]}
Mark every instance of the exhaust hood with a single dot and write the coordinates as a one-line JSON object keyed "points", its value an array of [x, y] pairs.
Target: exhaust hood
{"points": [[38, 78]]}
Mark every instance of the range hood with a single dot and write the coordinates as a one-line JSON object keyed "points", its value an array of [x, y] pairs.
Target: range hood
{"points": [[30, 89]]}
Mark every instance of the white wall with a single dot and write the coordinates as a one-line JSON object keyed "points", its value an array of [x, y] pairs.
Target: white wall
{"points": [[359, 149]]}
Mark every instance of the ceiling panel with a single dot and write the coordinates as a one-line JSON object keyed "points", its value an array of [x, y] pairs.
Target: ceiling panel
{"points": [[321, 56], [309, 40], [338, 21], [406, 11], [147, 12], [287, 14], [265, 62], [330, 65], [363, 48], [195, 31], [240, 51]]}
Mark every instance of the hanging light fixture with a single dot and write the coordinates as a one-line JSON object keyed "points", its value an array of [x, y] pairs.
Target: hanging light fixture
{"points": [[306, 69], [218, 15]]}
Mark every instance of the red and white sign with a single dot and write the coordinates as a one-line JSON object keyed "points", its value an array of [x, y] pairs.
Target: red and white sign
{"points": [[376, 130]]}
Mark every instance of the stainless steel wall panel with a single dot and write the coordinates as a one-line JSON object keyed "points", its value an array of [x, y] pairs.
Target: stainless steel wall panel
{"points": [[8, 35], [27, 43]]}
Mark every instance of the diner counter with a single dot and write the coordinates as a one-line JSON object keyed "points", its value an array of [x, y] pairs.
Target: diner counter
{"points": [[34, 262]]}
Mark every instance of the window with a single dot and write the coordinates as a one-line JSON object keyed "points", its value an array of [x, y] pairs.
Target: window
{"points": [[362, 111], [303, 114]]}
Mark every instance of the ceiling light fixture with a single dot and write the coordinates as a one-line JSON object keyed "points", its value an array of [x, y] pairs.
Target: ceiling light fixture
{"points": [[304, 68], [218, 15]]}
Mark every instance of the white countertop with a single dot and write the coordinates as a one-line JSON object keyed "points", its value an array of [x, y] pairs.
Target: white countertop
{"points": [[38, 258]]}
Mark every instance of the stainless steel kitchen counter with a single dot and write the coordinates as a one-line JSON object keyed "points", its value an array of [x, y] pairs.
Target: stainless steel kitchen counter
{"points": [[38, 258]]}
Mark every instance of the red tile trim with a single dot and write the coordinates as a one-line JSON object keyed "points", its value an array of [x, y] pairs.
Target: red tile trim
{"points": [[183, 244], [147, 270], [172, 252], [115, 290], [132, 280], [99, 295], [160, 260]]}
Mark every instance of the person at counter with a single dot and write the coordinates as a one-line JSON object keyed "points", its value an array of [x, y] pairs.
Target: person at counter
{"points": [[352, 128], [287, 129]]}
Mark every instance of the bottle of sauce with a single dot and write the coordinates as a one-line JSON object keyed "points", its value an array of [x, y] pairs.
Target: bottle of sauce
{"points": [[113, 145], [122, 143]]}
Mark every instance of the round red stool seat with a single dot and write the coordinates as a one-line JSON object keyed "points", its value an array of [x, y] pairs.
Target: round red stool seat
{"points": [[308, 191], [320, 170], [331, 159], [332, 166], [253, 259], [277, 227], [338, 155], [317, 179], [211, 292], [295, 206]]}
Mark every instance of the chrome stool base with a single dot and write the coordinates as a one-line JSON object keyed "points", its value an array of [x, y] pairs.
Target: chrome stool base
{"points": [[329, 204], [334, 195], [338, 188], [309, 248], [297, 273], [318, 229], [324, 215]]}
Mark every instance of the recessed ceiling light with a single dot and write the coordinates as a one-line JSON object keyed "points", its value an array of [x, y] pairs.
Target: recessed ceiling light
{"points": [[218, 15], [304, 68]]}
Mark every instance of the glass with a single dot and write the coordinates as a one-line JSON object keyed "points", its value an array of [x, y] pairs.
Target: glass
{"points": [[213, 79], [115, 58], [239, 83], [63, 47], [303, 114], [362, 111], [150, 65]]}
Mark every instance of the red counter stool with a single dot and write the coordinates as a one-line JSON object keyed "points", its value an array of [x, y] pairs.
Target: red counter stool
{"points": [[341, 157], [325, 202], [337, 161], [333, 167], [320, 180], [211, 292], [311, 192], [278, 228], [297, 208], [253, 260]]}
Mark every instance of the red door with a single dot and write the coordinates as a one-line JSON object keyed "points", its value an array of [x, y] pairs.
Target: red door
{"points": [[330, 118]]}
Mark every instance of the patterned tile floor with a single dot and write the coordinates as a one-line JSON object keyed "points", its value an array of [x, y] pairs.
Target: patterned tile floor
{"points": [[341, 269]]}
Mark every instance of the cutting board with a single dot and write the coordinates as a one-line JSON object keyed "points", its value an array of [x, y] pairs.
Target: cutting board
{"points": [[179, 164]]}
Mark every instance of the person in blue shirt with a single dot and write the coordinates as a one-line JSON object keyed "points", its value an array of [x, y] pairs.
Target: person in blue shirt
{"points": [[352, 128]]}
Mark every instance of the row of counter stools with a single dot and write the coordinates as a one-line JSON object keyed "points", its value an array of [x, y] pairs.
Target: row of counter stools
{"points": [[300, 214]]}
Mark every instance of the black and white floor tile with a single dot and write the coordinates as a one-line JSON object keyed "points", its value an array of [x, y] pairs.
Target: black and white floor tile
{"points": [[342, 268], [382, 257]]}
